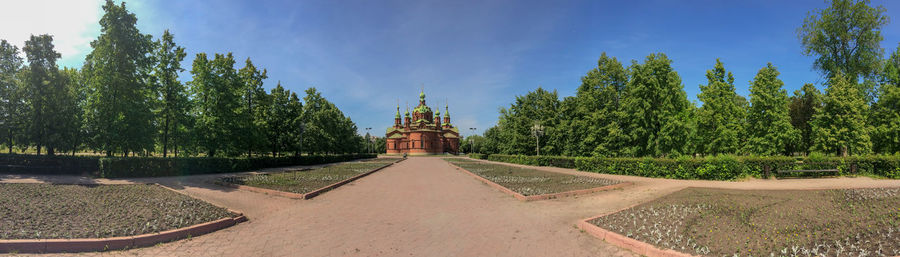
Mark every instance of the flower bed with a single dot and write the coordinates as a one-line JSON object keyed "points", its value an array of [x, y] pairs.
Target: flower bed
{"points": [[719, 222], [44, 211], [306, 181], [529, 182]]}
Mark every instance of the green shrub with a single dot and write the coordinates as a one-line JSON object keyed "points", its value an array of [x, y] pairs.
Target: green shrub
{"points": [[554, 161], [48, 165], [157, 167], [479, 156]]}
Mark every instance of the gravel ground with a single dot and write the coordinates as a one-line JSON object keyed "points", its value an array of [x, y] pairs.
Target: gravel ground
{"points": [[721, 222], [529, 181], [305, 181], [45, 211]]}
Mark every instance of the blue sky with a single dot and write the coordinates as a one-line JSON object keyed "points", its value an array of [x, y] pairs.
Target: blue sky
{"points": [[476, 55]]}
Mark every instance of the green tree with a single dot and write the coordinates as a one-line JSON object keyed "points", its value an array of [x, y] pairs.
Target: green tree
{"points": [[769, 122], [845, 38], [254, 99], [805, 103], [537, 107], [173, 99], [11, 99], [592, 116], [840, 126], [45, 91], [217, 91], [326, 129], [119, 110], [885, 120], [658, 114], [720, 120], [72, 101], [890, 73], [277, 119]]}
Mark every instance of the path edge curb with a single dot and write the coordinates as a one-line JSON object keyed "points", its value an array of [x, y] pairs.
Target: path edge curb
{"points": [[529, 198]]}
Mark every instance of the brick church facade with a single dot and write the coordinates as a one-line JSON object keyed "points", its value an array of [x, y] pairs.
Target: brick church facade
{"points": [[423, 132]]}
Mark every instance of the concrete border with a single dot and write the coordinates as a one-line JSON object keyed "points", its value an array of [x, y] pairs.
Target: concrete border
{"points": [[117, 243], [528, 198], [305, 196]]}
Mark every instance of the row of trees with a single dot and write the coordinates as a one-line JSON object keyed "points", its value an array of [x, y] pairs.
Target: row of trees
{"points": [[127, 99], [643, 110]]}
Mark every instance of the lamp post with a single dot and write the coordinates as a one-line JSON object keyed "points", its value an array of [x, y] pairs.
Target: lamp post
{"points": [[368, 138], [472, 141], [537, 131]]}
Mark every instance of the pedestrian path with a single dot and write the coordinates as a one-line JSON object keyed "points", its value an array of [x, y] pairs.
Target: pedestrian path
{"points": [[423, 207]]}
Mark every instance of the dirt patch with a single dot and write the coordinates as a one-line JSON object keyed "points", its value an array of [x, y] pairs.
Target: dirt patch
{"points": [[723, 222], [46, 211], [530, 181], [305, 181]]}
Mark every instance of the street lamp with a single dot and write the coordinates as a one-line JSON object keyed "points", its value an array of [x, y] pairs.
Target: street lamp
{"points": [[369, 137], [472, 141], [537, 131]]}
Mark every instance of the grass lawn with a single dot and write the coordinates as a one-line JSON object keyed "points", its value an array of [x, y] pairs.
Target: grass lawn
{"points": [[305, 181], [44, 211], [719, 222], [529, 181]]}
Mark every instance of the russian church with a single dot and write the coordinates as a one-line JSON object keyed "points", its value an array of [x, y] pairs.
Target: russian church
{"points": [[422, 133]]}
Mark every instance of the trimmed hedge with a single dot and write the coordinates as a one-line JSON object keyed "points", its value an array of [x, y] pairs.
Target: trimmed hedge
{"points": [[479, 156], [160, 167], [710, 168], [117, 167], [48, 165]]}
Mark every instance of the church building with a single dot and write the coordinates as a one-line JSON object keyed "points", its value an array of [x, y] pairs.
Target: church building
{"points": [[422, 133]]}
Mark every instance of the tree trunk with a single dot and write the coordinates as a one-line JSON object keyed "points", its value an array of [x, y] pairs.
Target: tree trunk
{"points": [[166, 136]]}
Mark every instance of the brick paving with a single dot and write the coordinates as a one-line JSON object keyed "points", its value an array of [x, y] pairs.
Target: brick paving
{"points": [[423, 207]]}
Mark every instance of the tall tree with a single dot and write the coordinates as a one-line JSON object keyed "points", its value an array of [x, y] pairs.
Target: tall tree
{"points": [[769, 123], [538, 107], [658, 112], [720, 120], [277, 119], [217, 90], [890, 73], [253, 106], [840, 126], [44, 92], [173, 98], [117, 70], [885, 119], [593, 115], [805, 103], [11, 100], [71, 102], [845, 38]]}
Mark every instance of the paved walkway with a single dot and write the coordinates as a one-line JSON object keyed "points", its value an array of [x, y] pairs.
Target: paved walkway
{"points": [[424, 207]]}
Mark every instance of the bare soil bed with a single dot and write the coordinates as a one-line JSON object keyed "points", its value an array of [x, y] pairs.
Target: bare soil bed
{"points": [[46, 211], [308, 180], [530, 181], [721, 222]]}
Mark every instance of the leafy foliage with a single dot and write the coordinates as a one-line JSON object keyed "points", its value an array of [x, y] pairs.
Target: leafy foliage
{"points": [[845, 38], [840, 126], [720, 120], [769, 125], [118, 110]]}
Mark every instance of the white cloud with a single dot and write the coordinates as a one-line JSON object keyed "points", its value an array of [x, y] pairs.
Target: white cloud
{"points": [[73, 24]]}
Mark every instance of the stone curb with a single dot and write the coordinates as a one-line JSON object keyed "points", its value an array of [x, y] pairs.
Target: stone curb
{"points": [[305, 196], [619, 240], [116, 243], [524, 198]]}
